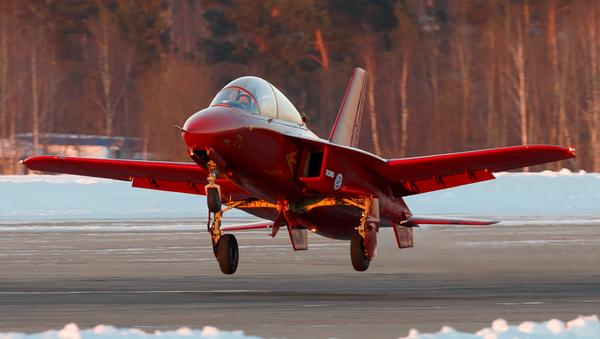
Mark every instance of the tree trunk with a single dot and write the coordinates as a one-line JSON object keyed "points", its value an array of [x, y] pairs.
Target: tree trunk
{"points": [[520, 63], [13, 130], [404, 130], [464, 61], [593, 45], [394, 114], [438, 119], [34, 92], [146, 137], [3, 81], [558, 99], [564, 137], [320, 47], [553, 56], [490, 77], [51, 99], [503, 135], [104, 63]]}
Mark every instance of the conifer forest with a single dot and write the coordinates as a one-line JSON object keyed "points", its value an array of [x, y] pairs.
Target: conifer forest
{"points": [[446, 75]]}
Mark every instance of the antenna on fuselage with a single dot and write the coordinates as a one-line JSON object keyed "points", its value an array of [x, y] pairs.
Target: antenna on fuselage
{"points": [[305, 118]]}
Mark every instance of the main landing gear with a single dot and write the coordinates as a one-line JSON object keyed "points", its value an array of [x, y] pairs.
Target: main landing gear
{"points": [[363, 244], [225, 247], [358, 253]]}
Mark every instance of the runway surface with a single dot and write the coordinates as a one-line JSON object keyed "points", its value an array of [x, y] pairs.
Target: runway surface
{"points": [[161, 274]]}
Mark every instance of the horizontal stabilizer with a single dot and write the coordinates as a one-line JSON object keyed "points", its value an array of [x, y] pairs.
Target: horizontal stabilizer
{"points": [[427, 220]]}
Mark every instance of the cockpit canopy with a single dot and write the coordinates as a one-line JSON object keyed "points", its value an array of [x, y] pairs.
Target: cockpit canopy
{"points": [[257, 96]]}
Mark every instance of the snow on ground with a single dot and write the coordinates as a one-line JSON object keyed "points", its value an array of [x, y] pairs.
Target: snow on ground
{"points": [[580, 328], [67, 197], [50, 197], [517, 193], [71, 331]]}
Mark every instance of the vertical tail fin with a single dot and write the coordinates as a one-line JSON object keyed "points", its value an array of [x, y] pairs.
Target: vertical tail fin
{"points": [[347, 126]]}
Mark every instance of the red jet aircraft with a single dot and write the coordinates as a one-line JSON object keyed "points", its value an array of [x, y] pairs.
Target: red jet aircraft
{"points": [[253, 151]]}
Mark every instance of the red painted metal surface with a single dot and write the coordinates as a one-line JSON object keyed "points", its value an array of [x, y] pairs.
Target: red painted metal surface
{"points": [[253, 226], [428, 220], [118, 169], [491, 160]]}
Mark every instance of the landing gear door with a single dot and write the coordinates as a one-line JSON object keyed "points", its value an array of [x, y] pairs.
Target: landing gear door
{"points": [[404, 235]]}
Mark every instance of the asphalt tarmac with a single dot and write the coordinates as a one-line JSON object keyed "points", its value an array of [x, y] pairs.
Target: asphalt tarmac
{"points": [[161, 274]]}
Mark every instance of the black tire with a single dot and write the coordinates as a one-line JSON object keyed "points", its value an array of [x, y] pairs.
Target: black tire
{"points": [[228, 254], [358, 255], [213, 199]]}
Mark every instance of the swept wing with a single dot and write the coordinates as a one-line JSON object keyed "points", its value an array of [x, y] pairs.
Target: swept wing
{"points": [[430, 173], [163, 176]]}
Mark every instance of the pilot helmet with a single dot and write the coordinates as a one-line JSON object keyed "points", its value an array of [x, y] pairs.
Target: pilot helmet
{"points": [[245, 98]]}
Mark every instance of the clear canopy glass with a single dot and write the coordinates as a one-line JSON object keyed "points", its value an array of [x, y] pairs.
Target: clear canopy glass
{"points": [[257, 96]]}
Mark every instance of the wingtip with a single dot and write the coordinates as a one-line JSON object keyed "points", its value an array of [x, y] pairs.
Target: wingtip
{"points": [[25, 161]]}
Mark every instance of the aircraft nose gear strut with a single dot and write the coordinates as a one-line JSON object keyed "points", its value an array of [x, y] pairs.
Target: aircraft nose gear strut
{"points": [[225, 247], [212, 190]]}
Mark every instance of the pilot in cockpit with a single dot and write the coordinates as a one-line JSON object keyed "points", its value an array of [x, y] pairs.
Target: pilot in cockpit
{"points": [[244, 99]]}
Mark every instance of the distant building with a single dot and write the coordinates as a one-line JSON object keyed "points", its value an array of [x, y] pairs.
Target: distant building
{"points": [[71, 145]]}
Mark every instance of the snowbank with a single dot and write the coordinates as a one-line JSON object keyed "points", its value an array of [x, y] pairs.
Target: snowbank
{"points": [[74, 197], [517, 193], [71, 331], [582, 327], [67, 197]]}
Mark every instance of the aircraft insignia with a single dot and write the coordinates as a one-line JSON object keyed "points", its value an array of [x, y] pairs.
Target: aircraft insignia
{"points": [[338, 182]]}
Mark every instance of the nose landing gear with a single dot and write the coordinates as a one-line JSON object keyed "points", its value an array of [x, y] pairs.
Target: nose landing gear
{"points": [[212, 190], [225, 247]]}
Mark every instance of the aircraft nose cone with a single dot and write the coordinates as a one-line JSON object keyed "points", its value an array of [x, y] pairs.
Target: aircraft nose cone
{"points": [[203, 126], [198, 137]]}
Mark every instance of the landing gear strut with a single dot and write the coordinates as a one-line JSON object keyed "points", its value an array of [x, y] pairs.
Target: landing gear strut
{"points": [[225, 247], [363, 243], [213, 191]]}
